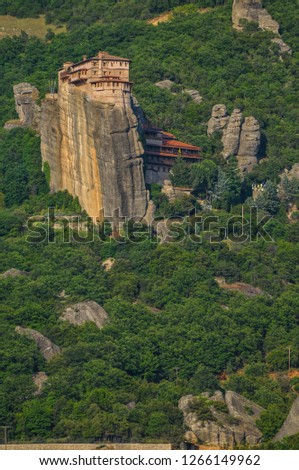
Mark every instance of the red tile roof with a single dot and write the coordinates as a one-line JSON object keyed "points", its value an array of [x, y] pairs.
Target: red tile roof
{"points": [[180, 145]]}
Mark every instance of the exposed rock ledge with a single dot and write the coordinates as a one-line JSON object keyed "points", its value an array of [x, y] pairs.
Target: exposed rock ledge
{"points": [[253, 11], [84, 312], [246, 289], [291, 424], [46, 347], [225, 429]]}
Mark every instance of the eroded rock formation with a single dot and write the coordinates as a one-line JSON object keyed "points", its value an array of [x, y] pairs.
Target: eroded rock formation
{"points": [[253, 11], [26, 96], [93, 150], [195, 95], [241, 137], [291, 424], [83, 312], [231, 424], [231, 134], [249, 145], [219, 119], [46, 347]]}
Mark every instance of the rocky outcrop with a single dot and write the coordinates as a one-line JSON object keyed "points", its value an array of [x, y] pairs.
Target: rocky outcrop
{"points": [[194, 94], [26, 96], [291, 424], [242, 287], [283, 47], [13, 273], [241, 137], [39, 380], [231, 424], [292, 173], [46, 347], [108, 264], [94, 151], [219, 119], [165, 84], [249, 144], [231, 134], [253, 11], [84, 312]]}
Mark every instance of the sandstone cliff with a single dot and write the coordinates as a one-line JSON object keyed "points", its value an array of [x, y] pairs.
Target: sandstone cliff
{"points": [[46, 347], [231, 424], [29, 112], [83, 312], [94, 152], [240, 137]]}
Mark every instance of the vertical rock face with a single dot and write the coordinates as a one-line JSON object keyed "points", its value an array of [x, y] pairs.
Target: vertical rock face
{"points": [[252, 10], [250, 141], [26, 107], [94, 152], [241, 137], [231, 134]]}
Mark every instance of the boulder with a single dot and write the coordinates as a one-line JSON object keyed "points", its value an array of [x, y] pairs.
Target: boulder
{"points": [[46, 347], [291, 424], [165, 84], [83, 312]]}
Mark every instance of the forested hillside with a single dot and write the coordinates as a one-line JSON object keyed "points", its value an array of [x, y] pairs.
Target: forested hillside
{"points": [[172, 329]]}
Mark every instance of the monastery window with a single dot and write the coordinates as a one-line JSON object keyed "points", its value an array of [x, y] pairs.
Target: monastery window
{"points": [[111, 64], [121, 64], [94, 64]]}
